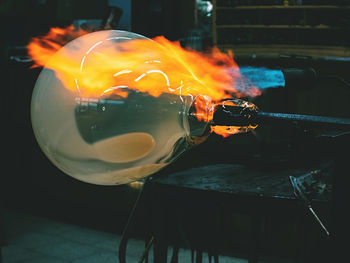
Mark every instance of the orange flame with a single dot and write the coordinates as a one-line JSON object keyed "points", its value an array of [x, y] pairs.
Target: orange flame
{"points": [[152, 67], [41, 49]]}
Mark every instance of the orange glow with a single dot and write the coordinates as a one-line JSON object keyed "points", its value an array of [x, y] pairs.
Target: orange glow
{"points": [[41, 49], [226, 131], [152, 67]]}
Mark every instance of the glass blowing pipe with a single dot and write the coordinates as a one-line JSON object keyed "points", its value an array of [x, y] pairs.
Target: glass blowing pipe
{"points": [[243, 116]]}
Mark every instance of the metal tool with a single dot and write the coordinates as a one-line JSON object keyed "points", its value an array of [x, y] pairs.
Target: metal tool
{"points": [[300, 186], [243, 116]]}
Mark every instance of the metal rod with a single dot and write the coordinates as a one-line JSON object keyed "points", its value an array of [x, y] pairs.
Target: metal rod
{"points": [[264, 117], [126, 231], [145, 252], [241, 116], [318, 219]]}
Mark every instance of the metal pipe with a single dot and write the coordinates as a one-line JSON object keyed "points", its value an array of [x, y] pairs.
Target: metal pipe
{"points": [[331, 122], [241, 116]]}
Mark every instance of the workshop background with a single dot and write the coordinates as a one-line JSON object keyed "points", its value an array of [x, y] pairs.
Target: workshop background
{"points": [[47, 216]]}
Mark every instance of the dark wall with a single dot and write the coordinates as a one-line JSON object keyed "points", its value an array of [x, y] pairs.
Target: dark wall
{"points": [[172, 19]]}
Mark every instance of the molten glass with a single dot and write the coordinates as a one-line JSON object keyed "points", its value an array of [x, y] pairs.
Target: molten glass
{"points": [[112, 107]]}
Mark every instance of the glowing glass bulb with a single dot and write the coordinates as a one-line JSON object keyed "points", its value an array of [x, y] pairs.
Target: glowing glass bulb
{"points": [[112, 107], [94, 125]]}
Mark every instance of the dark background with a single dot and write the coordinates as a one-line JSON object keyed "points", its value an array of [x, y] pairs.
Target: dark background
{"points": [[317, 38]]}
